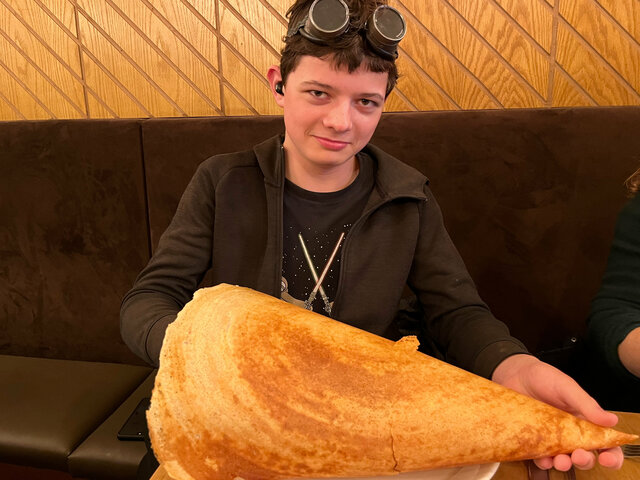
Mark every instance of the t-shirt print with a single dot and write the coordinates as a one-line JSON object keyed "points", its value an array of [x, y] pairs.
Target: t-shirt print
{"points": [[314, 231], [313, 266]]}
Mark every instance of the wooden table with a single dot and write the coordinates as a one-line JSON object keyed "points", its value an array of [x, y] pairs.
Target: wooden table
{"points": [[629, 422]]}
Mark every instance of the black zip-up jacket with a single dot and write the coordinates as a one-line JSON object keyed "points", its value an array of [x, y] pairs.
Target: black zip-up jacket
{"points": [[229, 219]]}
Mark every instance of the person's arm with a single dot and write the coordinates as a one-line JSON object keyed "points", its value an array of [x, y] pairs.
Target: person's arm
{"points": [[629, 352], [534, 378], [614, 319], [174, 272], [458, 321]]}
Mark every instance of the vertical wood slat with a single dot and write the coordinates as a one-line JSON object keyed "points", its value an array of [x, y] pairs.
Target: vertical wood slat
{"points": [[173, 57]]}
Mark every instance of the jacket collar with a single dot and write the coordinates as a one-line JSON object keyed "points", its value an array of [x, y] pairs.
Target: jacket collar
{"points": [[270, 155], [394, 178]]}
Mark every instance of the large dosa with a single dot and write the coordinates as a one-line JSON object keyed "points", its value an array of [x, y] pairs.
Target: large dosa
{"points": [[250, 386]]}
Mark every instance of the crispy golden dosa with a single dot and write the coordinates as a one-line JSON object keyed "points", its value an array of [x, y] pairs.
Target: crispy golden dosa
{"points": [[250, 386]]}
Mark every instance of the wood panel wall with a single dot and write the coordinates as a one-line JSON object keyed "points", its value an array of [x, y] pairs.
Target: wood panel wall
{"points": [[153, 58]]}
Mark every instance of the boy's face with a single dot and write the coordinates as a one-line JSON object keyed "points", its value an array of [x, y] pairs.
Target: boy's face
{"points": [[329, 114]]}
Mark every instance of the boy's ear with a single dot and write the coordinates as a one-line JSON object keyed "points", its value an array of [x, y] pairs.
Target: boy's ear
{"points": [[275, 82]]}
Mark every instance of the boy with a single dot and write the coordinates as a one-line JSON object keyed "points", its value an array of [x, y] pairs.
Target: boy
{"points": [[322, 219]]}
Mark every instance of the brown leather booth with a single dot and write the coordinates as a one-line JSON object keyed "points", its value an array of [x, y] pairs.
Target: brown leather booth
{"points": [[530, 198]]}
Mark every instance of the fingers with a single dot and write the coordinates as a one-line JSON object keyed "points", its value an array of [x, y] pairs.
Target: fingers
{"points": [[544, 463], [559, 462], [585, 406], [562, 463], [611, 458], [583, 460], [594, 413]]}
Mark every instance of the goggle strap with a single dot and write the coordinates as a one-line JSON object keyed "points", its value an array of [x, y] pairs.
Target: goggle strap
{"points": [[389, 55]]}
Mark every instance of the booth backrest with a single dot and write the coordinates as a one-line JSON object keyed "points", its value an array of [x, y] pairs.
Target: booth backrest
{"points": [[73, 235], [530, 198]]}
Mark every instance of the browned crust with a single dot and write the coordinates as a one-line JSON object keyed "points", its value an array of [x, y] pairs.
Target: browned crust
{"points": [[250, 386]]}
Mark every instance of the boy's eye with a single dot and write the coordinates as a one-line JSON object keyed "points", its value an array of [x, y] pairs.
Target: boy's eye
{"points": [[316, 93], [368, 103]]}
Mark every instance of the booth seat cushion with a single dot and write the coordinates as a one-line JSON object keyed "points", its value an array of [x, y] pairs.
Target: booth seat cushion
{"points": [[102, 455], [50, 406]]}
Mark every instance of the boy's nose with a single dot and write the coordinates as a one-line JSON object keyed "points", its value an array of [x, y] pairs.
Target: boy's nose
{"points": [[339, 117]]}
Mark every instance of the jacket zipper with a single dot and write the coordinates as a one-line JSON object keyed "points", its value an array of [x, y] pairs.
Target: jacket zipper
{"points": [[345, 245], [279, 226]]}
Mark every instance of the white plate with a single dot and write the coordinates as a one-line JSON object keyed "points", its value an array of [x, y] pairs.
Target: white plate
{"points": [[472, 472]]}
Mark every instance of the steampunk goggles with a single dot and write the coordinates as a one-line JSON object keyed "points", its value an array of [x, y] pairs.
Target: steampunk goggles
{"points": [[328, 19]]}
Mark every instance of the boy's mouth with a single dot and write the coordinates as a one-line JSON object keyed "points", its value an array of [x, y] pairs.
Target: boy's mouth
{"points": [[331, 144]]}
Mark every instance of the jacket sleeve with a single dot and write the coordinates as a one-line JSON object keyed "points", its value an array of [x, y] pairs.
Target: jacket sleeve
{"points": [[459, 322], [174, 272], [615, 310]]}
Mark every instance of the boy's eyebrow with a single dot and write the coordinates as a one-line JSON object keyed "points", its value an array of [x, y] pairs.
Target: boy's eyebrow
{"points": [[324, 86]]}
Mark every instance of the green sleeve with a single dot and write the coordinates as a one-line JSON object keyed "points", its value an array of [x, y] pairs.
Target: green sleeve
{"points": [[615, 310]]}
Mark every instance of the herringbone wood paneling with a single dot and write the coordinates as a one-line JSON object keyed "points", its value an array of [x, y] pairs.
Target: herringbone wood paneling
{"points": [[40, 75], [145, 58]]}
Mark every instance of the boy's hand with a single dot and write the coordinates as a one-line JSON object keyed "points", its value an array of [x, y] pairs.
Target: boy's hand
{"points": [[530, 376]]}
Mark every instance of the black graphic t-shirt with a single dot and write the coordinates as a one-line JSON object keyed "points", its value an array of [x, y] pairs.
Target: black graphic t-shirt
{"points": [[314, 229]]}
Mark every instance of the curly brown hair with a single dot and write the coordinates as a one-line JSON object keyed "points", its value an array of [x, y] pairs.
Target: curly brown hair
{"points": [[349, 50], [633, 182]]}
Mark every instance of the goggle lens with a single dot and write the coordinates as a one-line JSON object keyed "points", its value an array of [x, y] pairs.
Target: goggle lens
{"points": [[328, 19], [389, 23]]}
